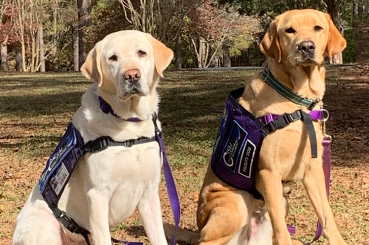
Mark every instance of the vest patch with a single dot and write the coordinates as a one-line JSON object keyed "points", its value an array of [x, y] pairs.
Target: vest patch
{"points": [[60, 165]]}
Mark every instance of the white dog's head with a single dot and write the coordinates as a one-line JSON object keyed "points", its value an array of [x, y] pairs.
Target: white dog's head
{"points": [[127, 63]]}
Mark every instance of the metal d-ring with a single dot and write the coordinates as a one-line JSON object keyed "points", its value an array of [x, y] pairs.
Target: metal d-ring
{"points": [[325, 115]]}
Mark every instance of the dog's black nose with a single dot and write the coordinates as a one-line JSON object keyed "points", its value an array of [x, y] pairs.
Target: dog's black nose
{"points": [[306, 47], [132, 75]]}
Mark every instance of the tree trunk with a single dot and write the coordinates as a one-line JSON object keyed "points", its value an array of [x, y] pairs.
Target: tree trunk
{"points": [[226, 56], [42, 48], [23, 46], [179, 54], [84, 17], [76, 48], [18, 61], [333, 8], [202, 53], [4, 56]]}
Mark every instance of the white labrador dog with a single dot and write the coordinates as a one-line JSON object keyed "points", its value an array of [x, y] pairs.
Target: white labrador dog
{"points": [[107, 186]]}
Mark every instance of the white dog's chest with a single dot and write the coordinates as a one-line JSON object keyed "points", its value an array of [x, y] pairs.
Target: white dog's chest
{"points": [[121, 175], [120, 164]]}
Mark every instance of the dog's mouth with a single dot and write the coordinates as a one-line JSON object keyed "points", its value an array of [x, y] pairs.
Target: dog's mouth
{"points": [[134, 89], [306, 61], [131, 92]]}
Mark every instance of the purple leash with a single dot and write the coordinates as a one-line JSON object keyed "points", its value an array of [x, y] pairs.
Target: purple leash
{"points": [[169, 181]]}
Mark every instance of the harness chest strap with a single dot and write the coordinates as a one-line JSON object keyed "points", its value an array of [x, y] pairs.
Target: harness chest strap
{"points": [[287, 118], [97, 145]]}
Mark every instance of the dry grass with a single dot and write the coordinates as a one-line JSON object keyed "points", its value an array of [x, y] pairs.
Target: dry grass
{"points": [[34, 111]]}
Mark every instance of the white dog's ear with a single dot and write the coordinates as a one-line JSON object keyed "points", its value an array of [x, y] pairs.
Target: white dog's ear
{"points": [[336, 42], [162, 55], [270, 44], [91, 69]]}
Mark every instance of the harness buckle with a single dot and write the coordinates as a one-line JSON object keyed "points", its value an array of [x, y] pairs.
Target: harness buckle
{"points": [[99, 144], [270, 128], [288, 118]]}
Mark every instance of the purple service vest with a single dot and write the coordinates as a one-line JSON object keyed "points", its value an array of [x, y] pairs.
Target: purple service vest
{"points": [[236, 151]]}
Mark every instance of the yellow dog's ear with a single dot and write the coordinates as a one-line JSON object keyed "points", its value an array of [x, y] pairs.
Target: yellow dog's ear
{"points": [[336, 42], [91, 69], [162, 55], [270, 44]]}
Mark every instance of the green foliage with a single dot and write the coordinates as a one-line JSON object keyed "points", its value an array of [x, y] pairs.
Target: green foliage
{"points": [[240, 43], [106, 17], [349, 54]]}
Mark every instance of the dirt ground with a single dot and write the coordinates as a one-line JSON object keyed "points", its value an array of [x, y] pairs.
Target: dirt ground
{"points": [[34, 110]]}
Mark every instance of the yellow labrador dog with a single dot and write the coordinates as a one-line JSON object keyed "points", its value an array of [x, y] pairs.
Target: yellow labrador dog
{"points": [[107, 186], [295, 45]]}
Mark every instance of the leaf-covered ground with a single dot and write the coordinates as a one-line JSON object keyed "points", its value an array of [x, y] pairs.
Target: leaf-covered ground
{"points": [[35, 109]]}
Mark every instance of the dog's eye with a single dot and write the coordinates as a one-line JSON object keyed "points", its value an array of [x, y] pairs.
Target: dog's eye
{"points": [[113, 57], [141, 53], [290, 30], [318, 28]]}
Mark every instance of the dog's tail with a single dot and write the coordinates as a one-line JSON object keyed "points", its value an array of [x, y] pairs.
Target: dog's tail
{"points": [[183, 236]]}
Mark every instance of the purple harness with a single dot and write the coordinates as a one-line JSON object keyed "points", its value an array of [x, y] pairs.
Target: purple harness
{"points": [[71, 148], [239, 140], [240, 136]]}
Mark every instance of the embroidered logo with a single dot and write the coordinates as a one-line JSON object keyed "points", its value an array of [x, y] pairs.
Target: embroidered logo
{"points": [[230, 153], [233, 147]]}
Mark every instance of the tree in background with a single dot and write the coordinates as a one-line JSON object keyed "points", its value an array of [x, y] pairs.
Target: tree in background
{"points": [[32, 18], [6, 31], [216, 29], [84, 19], [164, 19]]}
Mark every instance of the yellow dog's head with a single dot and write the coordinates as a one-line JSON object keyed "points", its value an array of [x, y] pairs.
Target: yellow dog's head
{"points": [[125, 63], [302, 37]]}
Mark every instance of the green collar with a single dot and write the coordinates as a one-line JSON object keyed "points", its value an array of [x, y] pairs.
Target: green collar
{"points": [[286, 92]]}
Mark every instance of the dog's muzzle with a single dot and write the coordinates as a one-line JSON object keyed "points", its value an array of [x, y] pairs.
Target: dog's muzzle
{"points": [[132, 80], [307, 51]]}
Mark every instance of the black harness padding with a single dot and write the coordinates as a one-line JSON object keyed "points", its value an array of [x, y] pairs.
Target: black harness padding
{"points": [[311, 132], [104, 142], [69, 223], [288, 118], [281, 122]]}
